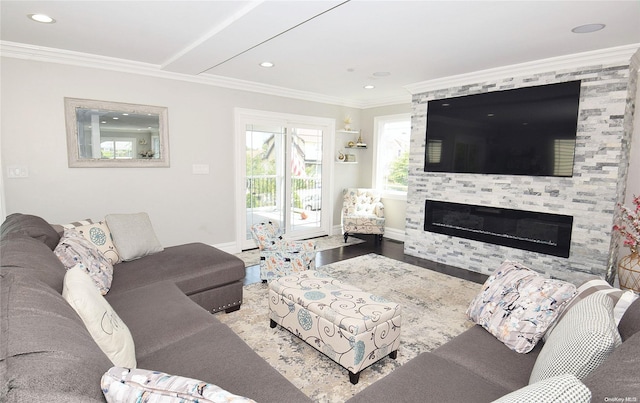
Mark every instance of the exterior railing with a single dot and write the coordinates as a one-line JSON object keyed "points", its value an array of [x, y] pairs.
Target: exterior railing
{"points": [[262, 191]]}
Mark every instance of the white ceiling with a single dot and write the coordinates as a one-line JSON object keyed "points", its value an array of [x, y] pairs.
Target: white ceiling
{"points": [[328, 48]]}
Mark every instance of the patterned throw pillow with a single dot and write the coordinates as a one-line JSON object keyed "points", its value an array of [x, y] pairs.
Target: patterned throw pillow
{"points": [[562, 388], [621, 300], [516, 305], [100, 236], [580, 342], [75, 250], [105, 326], [141, 385]]}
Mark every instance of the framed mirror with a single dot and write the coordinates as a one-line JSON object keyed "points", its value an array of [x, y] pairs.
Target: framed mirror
{"points": [[104, 134]]}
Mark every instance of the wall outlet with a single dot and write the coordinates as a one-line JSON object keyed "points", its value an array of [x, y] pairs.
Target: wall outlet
{"points": [[17, 171]]}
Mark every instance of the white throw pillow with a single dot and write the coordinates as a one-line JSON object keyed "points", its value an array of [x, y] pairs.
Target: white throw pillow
{"points": [[103, 323], [129, 385], [133, 235], [562, 388], [582, 340]]}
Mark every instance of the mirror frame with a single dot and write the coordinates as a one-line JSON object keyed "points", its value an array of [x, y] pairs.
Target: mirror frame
{"points": [[73, 152]]}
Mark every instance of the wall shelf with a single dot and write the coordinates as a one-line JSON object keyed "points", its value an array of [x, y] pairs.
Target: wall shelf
{"points": [[352, 144]]}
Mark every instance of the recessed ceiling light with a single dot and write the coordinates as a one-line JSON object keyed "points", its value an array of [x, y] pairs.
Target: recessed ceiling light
{"points": [[369, 87], [267, 64], [43, 18], [585, 29]]}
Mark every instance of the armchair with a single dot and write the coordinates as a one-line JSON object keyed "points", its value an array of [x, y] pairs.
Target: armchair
{"points": [[362, 212], [279, 256]]}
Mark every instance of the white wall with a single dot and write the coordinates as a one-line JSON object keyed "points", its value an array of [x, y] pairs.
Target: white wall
{"points": [[183, 207]]}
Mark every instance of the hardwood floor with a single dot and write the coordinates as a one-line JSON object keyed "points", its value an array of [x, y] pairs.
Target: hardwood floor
{"points": [[388, 248]]}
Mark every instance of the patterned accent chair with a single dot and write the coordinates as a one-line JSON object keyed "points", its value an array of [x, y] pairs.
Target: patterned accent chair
{"points": [[278, 256], [362, 212]]}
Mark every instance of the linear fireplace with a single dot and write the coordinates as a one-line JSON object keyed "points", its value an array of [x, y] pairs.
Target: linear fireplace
{"points": [[537, 232]]}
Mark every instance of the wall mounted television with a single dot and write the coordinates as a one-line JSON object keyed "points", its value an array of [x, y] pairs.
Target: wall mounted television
{"points": [[524, 131]]}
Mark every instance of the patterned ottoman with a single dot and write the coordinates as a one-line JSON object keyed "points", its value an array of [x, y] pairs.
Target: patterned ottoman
{"points": [[350, 326]]}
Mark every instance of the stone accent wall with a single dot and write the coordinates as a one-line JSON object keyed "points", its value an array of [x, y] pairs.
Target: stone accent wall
{"points": [[590, 196]]}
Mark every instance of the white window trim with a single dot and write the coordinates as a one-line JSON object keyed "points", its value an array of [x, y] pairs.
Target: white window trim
{"points": [[377, 130]]}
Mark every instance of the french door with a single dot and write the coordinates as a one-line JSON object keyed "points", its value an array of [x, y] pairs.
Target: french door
{"points": [[283, 161]]}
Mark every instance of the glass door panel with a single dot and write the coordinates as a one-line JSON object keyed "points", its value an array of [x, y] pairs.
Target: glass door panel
{"points": [[305, 149], [265, 179]]}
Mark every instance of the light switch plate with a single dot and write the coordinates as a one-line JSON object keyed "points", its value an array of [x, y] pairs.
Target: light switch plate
{"points": [[200, 169], [17, 171]]}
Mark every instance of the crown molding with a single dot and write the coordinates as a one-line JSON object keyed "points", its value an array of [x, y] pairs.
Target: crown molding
{"points": [[620, 54], [61, 56]]}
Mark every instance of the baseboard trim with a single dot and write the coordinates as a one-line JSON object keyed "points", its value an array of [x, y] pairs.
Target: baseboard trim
{"points": [[391, 233]]}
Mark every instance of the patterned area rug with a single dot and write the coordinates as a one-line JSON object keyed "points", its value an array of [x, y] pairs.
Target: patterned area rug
{"points": [[252, 257], [433, 312]]}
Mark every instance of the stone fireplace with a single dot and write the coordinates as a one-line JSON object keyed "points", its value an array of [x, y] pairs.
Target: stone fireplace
{"points": [[587, 201]]}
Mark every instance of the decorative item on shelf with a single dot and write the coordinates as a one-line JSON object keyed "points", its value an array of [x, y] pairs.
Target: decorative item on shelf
{"points": [[347, 123], [628, 225], [360, 143], [351, 144], [350, 158], [340, 156], [147, 154]]}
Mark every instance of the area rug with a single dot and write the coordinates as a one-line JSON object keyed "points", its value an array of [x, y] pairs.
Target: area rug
{"points": [[252, 257], [433, 312]]}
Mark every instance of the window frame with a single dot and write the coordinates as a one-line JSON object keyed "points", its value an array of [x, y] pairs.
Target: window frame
{"points": [[378, 126]]}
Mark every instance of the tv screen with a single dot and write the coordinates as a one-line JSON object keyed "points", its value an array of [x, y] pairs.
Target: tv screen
{"points": [[524, 131]]}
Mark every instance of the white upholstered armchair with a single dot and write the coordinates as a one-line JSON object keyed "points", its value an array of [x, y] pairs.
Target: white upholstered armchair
{"points": [[279, 256], [362, 212]]}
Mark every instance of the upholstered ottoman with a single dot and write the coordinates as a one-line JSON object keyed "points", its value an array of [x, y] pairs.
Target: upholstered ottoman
{"points": [[350, 326]]}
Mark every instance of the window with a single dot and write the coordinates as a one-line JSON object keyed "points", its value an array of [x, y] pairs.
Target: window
{"points": [[392, 153], [117, 148]]}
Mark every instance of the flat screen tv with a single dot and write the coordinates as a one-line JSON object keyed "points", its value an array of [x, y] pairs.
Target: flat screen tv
{"points": [[525, 131]]}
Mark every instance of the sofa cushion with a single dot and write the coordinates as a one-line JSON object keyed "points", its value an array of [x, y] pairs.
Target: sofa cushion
{"points": [[630, 322], [584, 338], [516, 305], [194, 267], [33, 257], [617, 377], [33, 226], [127, 385], [148, 309], [429, 378], [103, 323], [481, 353], [133, 235], [75, 250], [561, 388], [217, 355], [51, 357], [99, 235]]}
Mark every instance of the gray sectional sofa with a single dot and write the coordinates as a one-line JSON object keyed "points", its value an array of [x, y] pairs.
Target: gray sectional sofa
{"points": [[477, 367], [47, 354]]}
